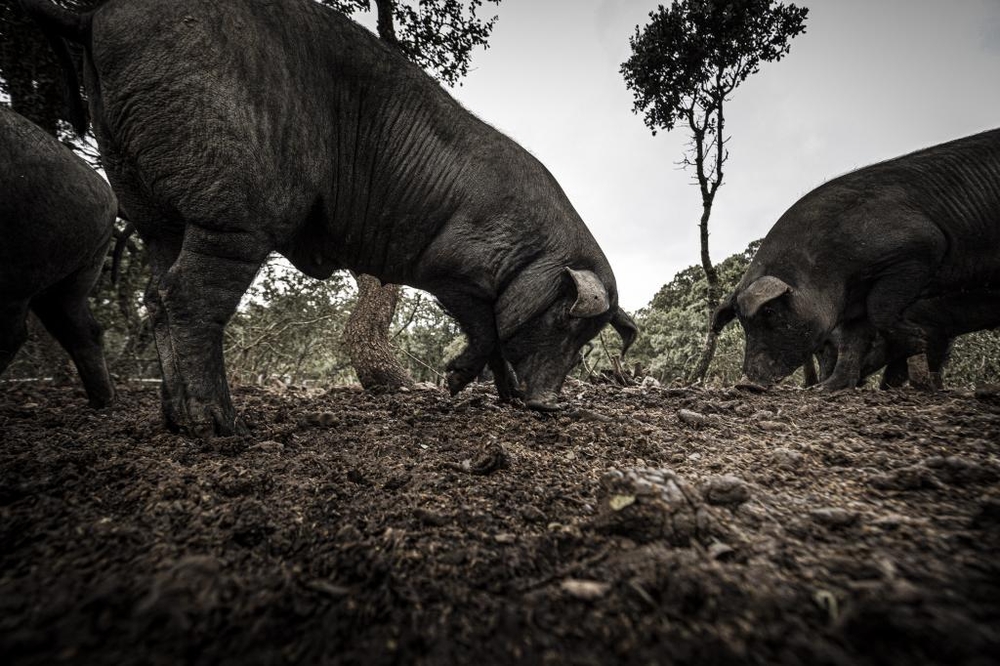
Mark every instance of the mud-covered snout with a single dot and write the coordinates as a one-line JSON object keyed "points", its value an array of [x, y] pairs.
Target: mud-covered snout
{"points": [[783, 327], [763, 367], [775, 352], [545, 353], [542, 383], [544, 350], [543, 371]]}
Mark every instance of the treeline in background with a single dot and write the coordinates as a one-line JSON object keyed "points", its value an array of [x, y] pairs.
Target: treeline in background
{"points": [[289, 329]]}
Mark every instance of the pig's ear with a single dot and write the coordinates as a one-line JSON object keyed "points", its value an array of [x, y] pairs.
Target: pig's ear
{"points": [[724, 314], [591, 294], [761, 291], [626, 328]]}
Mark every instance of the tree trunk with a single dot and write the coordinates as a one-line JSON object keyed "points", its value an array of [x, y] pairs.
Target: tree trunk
{"points": [[707, 353], [386, 24], [366, 337], [366, 334], [712, 277]]}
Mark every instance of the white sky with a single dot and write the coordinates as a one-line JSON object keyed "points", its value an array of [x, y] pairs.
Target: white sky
{"points": [[869, 80]]}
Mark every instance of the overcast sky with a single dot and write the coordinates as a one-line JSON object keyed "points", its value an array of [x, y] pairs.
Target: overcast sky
{"points": [[868, 80]]}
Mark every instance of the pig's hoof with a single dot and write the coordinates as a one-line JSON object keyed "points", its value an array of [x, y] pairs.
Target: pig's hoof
{"points": [[510, 395], [458, 380], [102, 402], [752, 387], [545, 405], [214, 421]]}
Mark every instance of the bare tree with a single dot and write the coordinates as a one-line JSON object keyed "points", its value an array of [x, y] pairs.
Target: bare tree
{"points": [[684, 67]]}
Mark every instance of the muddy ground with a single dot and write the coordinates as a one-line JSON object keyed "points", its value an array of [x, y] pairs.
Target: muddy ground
{"points": [[643, 526]]}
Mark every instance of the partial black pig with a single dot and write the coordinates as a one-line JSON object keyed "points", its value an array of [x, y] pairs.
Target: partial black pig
{"points": [[908, 249], [56, 219]]}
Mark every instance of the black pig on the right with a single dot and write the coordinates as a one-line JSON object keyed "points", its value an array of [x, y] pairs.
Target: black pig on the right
{"points": [[904, 249]]}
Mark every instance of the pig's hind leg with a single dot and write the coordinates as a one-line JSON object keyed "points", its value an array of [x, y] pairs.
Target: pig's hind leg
{"points": [[13, 331], [66, 314]]}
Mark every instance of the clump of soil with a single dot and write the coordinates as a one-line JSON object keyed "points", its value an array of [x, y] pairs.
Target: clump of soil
{"points": [[644, 525]]}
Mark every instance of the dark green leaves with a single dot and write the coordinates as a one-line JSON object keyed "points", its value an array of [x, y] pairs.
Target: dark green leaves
{"points": [[694, 54], [438, 35]]}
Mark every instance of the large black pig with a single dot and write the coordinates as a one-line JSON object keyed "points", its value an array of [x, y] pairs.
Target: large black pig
{"points": [[56, 219], [908, 249], [232, 129]]}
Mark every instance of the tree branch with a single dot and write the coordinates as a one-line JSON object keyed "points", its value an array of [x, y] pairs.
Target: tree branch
{"points": [[698, 132], [409, 320], [720, 125], [386, 25]]}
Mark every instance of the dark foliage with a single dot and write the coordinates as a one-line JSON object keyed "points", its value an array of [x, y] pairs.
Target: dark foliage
{"points": [[438, 35], [691, 56]]}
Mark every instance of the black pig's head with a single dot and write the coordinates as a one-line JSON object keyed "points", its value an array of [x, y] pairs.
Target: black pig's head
{"points": [[546, 316], [783, 326]]}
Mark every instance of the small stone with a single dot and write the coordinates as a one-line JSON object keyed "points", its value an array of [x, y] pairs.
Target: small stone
{"points": [[268, 446], [690, 417], [720, 551], [913, 477], [833, 517], [428, 517], [491, 458], [619, 502], [505, 538], [787, 458], [890, 522], [328, 588], [321, 419], [587, 590], [650, 382], [532, 514], [726, 490], [772, 426]]}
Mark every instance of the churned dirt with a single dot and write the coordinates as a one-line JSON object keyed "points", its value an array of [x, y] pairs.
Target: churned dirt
{"points": [[642, 526]]}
